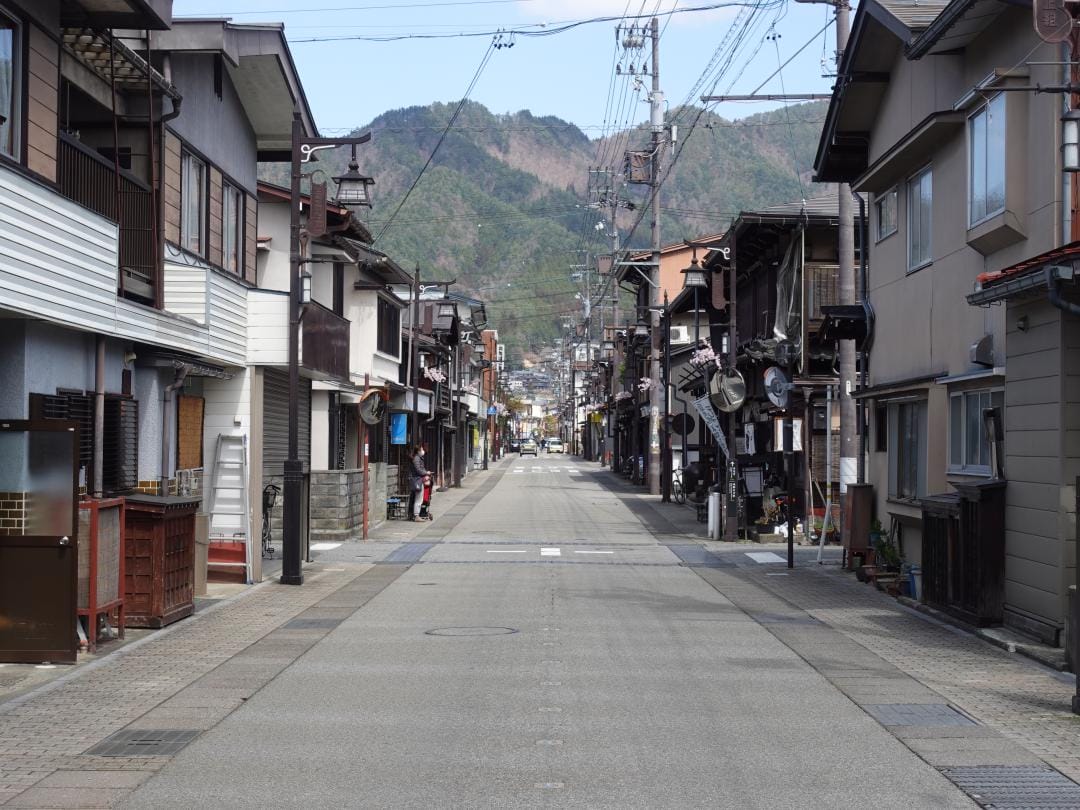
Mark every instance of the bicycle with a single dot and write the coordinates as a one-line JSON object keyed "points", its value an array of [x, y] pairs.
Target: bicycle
{"points": [[678, 494], [269, 498]]}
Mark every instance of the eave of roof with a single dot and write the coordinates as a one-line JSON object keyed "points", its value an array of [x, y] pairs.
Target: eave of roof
{"points": [[1025, 277]]}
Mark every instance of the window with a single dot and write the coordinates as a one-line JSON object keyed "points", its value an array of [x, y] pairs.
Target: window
{"points": [[986, 171], [969, 448], [120, 437], [232, 223], [881, 429], [919, 211], [907, 450], [10, 85], [193, 210], [389, 338], [885, 208]]}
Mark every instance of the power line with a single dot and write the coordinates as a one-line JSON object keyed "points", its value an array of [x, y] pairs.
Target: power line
{"points": [[395, 6], [461, 105], [524, 31]]}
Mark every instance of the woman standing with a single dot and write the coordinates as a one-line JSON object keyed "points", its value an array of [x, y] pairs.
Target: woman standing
{"points": [[417, 473]]}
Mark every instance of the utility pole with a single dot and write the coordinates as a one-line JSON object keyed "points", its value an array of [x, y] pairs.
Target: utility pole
{"points": [[656, 119], [849, 444]]}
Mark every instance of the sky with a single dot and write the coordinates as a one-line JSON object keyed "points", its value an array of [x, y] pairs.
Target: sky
{"points": [[349, 81]]}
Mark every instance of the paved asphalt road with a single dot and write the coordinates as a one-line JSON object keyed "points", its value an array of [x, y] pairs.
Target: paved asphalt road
{"points": [[549, 651]]}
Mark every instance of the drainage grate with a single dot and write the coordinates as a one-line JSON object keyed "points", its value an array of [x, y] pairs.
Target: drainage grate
{"points": [[147, 742], [408, 553], [311, 624], [697, 557], [1016, 787], [917, 714]]}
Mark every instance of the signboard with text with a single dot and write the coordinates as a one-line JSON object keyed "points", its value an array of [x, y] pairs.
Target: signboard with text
{"points": [[1053, 21]]}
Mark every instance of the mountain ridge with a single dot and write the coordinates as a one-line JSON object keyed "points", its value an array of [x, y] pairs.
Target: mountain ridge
{"points": [[509, 202]]}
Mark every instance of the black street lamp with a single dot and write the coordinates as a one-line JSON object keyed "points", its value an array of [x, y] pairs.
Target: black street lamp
{"points": [[302, 151]]}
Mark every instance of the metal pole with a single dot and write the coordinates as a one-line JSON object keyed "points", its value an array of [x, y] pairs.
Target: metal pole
{"points": [[414, 341], [731, 522], [656, 106], [291, 566], [665, 483]]}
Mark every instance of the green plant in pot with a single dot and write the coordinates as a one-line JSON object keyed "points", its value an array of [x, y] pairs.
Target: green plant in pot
{"points": [[886, 552]]}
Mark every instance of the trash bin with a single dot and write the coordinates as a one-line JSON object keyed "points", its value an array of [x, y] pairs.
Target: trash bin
{"points": [[202, 551]]}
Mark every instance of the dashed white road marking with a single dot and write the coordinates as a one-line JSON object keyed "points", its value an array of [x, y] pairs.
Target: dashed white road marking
{"points": [[765, 557], [579, 551], [506, 551], [324, 546], [550, 552]]}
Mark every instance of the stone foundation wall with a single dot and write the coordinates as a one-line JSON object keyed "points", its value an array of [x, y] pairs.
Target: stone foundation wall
{"points": [[337, 503]]}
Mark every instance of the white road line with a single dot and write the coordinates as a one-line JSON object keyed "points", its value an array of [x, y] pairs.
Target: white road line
{"points": [[324, 546], [578, 551], [765, 557], [506, 551], [550, 552]]}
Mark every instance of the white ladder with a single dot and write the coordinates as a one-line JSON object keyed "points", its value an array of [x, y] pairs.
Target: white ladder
{"points": [[230, 516]]}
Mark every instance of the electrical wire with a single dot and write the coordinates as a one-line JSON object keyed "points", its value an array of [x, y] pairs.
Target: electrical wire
{"points": [[523, 31], [461, 105]]}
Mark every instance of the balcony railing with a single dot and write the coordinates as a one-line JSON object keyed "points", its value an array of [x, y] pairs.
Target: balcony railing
{"points": [[325, 341], [91, 180]]}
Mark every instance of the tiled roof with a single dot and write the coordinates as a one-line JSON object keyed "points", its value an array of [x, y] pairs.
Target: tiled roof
{"points": [[1066, 253], [915, 15]]}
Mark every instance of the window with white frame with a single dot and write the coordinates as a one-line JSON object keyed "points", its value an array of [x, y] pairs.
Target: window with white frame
{"points": [[232, 206], [885, 208], [920, 204], [907, 449], [969, 446], [10, 84], [986, 164], [193, 204]]}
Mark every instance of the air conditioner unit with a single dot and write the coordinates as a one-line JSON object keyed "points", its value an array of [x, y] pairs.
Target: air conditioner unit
{"points": [[680, 334]]}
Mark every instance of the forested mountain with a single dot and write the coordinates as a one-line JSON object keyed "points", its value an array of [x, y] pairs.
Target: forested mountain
{"points": [[504, 206]]}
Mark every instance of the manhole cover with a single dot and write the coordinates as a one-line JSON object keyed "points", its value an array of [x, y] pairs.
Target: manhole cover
{"points": [[470, 631], [917, 714], [1012, 788], [153, 742]]}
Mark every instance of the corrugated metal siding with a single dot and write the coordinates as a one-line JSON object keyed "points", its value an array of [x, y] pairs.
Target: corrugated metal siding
{"points": [[58, 260], [185, 291], [268, 332], [276, 422]]}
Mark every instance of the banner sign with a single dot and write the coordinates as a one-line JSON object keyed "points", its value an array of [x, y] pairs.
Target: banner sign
{"points": [[708, 415]]}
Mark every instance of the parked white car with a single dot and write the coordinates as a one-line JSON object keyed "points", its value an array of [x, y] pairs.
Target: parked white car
{"points": [[554, 446]]}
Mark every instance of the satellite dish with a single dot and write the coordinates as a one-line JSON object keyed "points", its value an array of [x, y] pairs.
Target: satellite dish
{"points": [[727, 390], [777, 386], [372, 408]]}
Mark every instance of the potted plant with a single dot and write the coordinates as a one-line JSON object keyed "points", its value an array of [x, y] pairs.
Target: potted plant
{"points": [[886, 552]]}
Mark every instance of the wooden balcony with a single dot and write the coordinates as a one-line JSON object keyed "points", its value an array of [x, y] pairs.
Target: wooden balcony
{"points": [[89, 179], [324, 341]]}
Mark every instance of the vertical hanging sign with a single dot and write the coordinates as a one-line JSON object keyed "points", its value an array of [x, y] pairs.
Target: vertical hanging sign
{"points": [[316, 221]]}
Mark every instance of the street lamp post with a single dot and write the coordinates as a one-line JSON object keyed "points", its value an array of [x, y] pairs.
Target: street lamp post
{"points": [[352, 190]]}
